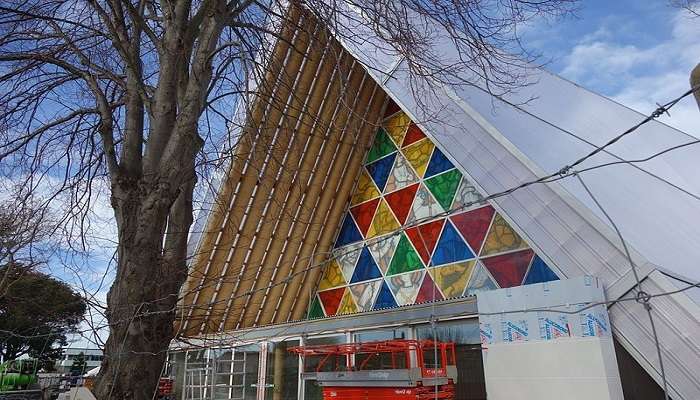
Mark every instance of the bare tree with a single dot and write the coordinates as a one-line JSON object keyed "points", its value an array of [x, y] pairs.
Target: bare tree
{"points": [[140, 93]]}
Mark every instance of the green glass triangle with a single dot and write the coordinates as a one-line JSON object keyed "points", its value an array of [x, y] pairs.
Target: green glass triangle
{"points": [[444, 187], [382, 146], [315, 311], [405, 259]]}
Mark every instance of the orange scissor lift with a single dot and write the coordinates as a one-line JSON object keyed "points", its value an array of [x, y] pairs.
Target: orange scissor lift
{"points": [[382, 370]]}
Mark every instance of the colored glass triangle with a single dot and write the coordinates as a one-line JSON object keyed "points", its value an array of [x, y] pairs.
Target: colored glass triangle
{"points": [[332, 276], [348, 232], [405, 258], [467, 196], [539, 272], [400, 202], [418, 155], [382, 146], [509, 269], [444, 187], [473, 225], [347, 304], [396, 127], [480, 281], [347, 258], [366, 189], [502, 238], [391, 108], [364, 214], [366, 268], [452, 279], [382, 250], [428, 291], [424, 206], [405, 286], [331, 300], [438, 163], [384, 299], [413, 134], [380, 169], [315, 310], [384, 221], [401, 175], [365, 294], [424, 238], [450, 248]]}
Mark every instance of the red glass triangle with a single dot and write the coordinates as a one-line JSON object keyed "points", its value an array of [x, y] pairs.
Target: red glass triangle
{"points": [[413, 135], [391, 108], [509, 269], [364, 213], [428, 291], [428, 233], [400, 201], [474, 225], [331, 300]]}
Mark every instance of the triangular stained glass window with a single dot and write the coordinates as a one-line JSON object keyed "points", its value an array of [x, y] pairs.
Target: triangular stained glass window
{"points": [[391, 108], [400, 202], [347, 258], [347, 304], [418, 155], [438, 163], [467, 196], [444, 187], [381, 147], [315, 310], [424, 206], [365, 294], [539, 272], [509, 269], [366, 268], [480, 281], [384, 221], [405, 286], [366, 189], [380, 169], [424, 238], [385, 299], [396, 127], [413, 134], [428, 291], [502, 238], [331, 300], [332, 276], [405, 258], [473, 225], [401, 175], [348, 232], [383, 249], [450, 248], [364, 214], [452, 279]]}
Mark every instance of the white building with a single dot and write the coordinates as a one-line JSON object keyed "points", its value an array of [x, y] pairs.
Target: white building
{"points": [[93, 358]]}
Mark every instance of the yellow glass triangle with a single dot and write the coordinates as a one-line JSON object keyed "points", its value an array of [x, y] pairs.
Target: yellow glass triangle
{"points": [[366, 189], [418, 155], [383, 222], [452, 279], [396, 127], [502, 238], [347, 304], [332, 276]]}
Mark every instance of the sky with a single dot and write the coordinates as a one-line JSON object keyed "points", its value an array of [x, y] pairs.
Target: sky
{"points": [[638, 53]]}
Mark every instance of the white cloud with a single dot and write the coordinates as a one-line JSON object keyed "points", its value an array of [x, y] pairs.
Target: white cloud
{"points": [[639, 77]]}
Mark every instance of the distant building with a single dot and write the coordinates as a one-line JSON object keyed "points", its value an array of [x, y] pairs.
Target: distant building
{"points": [[93, 358]]}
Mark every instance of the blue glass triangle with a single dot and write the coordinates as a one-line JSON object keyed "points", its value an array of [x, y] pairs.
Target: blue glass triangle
{"points": [[348, 232], [366, 268], [438, 163], [380, 169], [539, 272], [450, 247], [384, 299]]}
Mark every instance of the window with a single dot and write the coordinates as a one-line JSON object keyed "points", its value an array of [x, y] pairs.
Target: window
{"points": [[282, 377]]}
